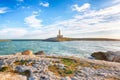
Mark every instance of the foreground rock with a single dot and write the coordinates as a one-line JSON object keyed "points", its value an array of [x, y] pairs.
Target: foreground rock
{"points": [[58, 68], [108, 56], [11, 76], [27, 52]]}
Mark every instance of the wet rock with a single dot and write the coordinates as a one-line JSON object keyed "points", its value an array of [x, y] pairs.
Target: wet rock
{"points": [[27, 52], [40, 53], [108, 56], [99, 55]]}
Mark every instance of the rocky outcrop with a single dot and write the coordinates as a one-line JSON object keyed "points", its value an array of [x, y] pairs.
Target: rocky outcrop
{"points": [[40, 53], [108, 56], [56, 68], [27, 52]]}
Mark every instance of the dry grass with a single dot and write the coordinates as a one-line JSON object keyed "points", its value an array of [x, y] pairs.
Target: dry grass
{"points": [[92, 65]]}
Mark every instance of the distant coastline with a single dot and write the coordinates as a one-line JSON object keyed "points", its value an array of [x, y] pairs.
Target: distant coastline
{"points": [[60, 38], [63, 39], [80, 39]]}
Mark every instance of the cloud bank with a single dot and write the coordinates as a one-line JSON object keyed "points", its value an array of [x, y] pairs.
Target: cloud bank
{"points": [[86, 22], [3, 10]]}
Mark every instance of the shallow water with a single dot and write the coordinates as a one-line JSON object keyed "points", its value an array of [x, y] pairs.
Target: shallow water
{"points": [[72, 48]]}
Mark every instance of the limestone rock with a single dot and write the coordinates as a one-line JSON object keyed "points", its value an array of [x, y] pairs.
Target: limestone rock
{"points": [[108, 56], [11, 76], [27, 52]]}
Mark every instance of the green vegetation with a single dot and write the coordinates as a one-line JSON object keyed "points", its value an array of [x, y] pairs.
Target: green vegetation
{"points": [[71, 66], [69, 62], [69, 70], [60, 72], [9, 69], [5, 68], [23, 62]]}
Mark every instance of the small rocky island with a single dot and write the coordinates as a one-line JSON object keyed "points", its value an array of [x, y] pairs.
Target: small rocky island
{"points": [[61, 38], [27, 65]]}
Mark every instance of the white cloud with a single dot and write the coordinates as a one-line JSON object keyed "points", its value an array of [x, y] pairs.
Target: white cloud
{"points": [[92, 23], [3, 10], [44, 4], [36, 12], [12, 33], [103, 15], [32, 21], [116, 1], [99, 23], [82, 8]]}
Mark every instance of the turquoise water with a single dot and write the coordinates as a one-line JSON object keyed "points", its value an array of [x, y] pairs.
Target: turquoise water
{"points": [[72, 48]]}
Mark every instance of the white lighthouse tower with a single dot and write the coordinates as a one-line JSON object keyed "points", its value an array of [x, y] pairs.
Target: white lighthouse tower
{"points": [[59, 34]]}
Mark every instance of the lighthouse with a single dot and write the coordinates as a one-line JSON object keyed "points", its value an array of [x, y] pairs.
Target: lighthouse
{"points": [[59, 35]]}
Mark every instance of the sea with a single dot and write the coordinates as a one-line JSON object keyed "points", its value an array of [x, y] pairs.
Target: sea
{"points": [[70, 48]]}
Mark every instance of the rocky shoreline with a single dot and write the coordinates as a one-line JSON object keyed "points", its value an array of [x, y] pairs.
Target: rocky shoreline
{"points": [[38, 66]]}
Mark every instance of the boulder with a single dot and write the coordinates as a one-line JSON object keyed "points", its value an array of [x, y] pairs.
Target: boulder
{"points": [[99, 55], [40, 53], [108, 56], [27, 52]]}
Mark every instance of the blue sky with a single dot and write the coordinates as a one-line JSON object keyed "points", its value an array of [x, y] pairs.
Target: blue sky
{"points": [[39, 19]]}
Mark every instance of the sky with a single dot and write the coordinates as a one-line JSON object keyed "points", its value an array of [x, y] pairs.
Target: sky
{"points": [[41, 19]]}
